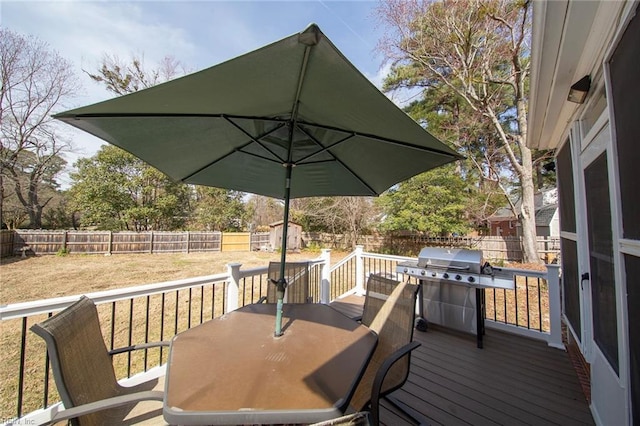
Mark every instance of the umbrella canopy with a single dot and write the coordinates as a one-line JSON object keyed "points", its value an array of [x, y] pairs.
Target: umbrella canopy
{"points": [[292, 119]]}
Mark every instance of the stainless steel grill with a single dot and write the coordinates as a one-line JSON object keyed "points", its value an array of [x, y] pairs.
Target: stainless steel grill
{"points": [[452, 287], [457, 266]]}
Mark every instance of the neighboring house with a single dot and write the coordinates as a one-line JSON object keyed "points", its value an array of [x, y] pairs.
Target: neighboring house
{"points": [[594, 46], [548, 221], [504, 223]]}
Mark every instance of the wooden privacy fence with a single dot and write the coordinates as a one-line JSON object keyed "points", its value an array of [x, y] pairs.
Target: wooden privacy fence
{"points": [[106, 242], [500, 248], [238, 241]]}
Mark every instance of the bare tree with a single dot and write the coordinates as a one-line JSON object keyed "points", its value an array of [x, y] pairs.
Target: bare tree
{"points": [[479, 50], [264, 211], [35, 81], [122, 77], [349, 215]]}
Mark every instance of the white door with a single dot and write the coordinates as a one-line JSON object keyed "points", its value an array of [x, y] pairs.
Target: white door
{"points": [[600, 310]]}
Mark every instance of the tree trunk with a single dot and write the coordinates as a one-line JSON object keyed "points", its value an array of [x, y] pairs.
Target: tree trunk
{"points": [[1, 201], [527, 210], [34, 207]]}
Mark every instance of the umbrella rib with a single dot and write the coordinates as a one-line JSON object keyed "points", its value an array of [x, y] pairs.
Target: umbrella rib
{"points": [[347, 168], [257, 139], [280, 120], [387, 140], [216, 161], [373, 192], [261, 157], [323, 148], [278, 160], [166, 114]]}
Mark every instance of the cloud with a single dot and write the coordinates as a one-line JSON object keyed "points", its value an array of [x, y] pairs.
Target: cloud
{"points": [[83, 32], [378, 78]]}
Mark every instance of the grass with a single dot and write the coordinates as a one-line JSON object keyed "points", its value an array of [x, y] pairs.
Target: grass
{"points": [[43, 277]]}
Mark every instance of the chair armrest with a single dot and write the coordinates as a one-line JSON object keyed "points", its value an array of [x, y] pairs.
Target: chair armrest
{"points": [[104, 404], [262, 299], [382, 373], [139, 347]]}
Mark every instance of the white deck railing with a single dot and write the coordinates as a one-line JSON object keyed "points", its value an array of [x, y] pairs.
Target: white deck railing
{"points": [[157, 312]]}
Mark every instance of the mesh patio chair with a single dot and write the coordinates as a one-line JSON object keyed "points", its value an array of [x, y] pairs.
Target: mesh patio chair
{"points": [[389, 311], [297, 276], [84, 374], [379, 288]]}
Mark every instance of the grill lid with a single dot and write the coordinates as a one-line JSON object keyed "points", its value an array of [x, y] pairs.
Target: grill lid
{"points": [[453, 259]]}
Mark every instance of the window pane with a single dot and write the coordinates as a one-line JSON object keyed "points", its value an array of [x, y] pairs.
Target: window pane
{"points": [[564, 172], [571, 284], [625, 90], [603, 290]]}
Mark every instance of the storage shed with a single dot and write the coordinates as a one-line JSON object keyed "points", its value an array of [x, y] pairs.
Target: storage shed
{"points": [[294, 236]]}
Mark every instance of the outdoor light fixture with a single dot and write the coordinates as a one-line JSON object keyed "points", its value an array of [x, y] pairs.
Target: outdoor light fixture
{"points": [[579, 90]]}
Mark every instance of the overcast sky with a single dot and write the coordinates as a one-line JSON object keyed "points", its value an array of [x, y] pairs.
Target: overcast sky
{"points": [[198, 33]]}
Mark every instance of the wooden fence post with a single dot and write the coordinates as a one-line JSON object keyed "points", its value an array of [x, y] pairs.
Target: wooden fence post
{"points": [[188, 242], [151, 242]]}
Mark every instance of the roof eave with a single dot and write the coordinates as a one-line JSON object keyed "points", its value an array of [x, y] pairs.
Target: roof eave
{"points": [[569, 39]]}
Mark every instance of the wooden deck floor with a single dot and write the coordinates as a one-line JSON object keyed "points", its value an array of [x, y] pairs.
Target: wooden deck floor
{"points": [[512, 381]]}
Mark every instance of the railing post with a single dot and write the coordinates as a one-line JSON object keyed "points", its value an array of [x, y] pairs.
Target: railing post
{"points": [[233, 286], [555, 307], [359, 270], [325, 283]]}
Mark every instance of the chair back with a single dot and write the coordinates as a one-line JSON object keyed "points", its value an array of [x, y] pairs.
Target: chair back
{"points": [[379, 289], [393, 322], [297, 276], [81, 364]]}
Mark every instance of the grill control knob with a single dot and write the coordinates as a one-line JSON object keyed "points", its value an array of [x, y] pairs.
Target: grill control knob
{"points": [[458, 277], [445, 275], [433, 274], [471, 279], [406, 270], [423, 272]]}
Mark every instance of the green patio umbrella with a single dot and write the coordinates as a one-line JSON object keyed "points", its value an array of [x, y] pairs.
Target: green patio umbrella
{"points": [[292, 119]]}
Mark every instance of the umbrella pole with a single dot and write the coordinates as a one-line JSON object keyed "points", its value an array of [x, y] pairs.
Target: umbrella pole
{"points": [[282, 282]]}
